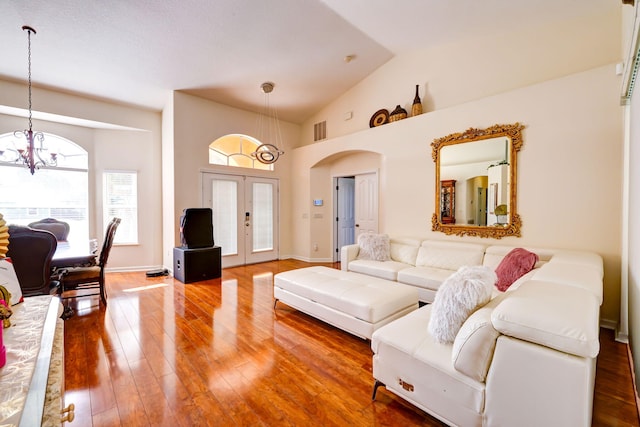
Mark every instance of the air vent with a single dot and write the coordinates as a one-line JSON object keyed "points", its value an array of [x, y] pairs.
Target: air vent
{"points": [[320, 131]]}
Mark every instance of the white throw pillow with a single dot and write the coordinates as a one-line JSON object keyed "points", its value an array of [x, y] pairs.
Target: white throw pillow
{"points": [[374, 247], [460, 295]]}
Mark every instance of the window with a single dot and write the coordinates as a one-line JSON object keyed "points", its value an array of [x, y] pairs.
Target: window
{"points": [[60, 192], [120, 193], [235, 150]]}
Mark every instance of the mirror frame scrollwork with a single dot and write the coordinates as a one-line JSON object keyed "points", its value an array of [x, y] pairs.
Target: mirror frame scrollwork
{"points": [[512, 228]]}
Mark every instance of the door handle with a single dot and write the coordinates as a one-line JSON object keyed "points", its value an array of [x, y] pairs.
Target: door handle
{"points": [[357, 225]]}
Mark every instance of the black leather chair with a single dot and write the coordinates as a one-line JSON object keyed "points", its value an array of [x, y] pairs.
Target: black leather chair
{"points": [[87, 278], [60, 229], [31, 251]]}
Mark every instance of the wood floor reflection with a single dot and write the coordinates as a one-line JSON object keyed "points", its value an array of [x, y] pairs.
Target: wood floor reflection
{"points": [[216, 353]]}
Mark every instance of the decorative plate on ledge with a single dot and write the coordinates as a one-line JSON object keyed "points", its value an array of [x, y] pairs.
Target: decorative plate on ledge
{"points": [[379, 118]]}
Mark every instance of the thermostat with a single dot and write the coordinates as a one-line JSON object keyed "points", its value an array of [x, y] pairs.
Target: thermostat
{"points": [[317, 202]]}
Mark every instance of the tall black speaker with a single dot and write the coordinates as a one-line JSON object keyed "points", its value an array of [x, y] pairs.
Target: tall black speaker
{"points": [[196, 228]]}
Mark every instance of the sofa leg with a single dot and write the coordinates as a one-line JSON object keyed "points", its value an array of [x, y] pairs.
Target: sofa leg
{"points": [[375, 389], [275, 302]]}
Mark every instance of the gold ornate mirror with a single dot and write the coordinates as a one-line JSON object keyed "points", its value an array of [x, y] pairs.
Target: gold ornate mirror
{"points": [[476, 176]]}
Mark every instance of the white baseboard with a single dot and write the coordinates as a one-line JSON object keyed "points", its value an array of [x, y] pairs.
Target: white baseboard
{"points": [[321, 260], [305, 259], [298, 258], [608, 324], [613, 325], [623, 338], [132, 269]]}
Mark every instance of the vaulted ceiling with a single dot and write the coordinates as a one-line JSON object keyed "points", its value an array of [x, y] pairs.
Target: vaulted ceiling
{"points": [[139, 51]]}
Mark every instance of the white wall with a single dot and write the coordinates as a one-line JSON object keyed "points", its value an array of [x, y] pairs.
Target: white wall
{"points": [[136, 151], [476, 68], [634, 233], [630, 289], [569, 170], [196, 123], [117, 137], [319, 219], [168, 184]]}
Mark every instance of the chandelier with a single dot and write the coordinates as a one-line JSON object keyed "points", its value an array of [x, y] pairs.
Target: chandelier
{"points": [[268, 130], [34, 154]]}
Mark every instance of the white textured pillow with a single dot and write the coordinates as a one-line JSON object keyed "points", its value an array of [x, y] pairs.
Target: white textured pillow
{"points": [[459, 296], [374, 247]]}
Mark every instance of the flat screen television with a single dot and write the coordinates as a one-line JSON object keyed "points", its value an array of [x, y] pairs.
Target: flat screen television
{"points": [[196, 228]]}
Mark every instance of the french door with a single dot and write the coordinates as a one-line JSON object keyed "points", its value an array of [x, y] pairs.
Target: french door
{"points": [[245, 217]]}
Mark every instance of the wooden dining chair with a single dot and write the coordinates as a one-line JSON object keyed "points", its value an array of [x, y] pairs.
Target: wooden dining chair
{"points": [[31, 252], [89, 278], [60, 229]]}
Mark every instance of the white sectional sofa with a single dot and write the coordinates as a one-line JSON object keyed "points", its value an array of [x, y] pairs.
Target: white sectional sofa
{"points": [[421, 263], [427, 263], [526, 358]]}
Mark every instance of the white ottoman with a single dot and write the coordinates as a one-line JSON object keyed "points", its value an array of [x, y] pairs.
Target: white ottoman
{"points": [[356, 303]]}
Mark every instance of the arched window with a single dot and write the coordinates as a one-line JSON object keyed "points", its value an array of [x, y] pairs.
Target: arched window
{"points": [[235, 150], [60, 192]]}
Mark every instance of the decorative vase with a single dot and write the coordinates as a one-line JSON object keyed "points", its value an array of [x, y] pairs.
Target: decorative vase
{"points": [[398, 114], [416, 108]]}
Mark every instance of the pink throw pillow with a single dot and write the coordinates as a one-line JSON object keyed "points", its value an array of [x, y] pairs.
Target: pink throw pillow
{"points": [[514, 265]]}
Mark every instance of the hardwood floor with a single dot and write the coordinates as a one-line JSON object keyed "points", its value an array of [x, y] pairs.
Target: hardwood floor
{"points": [[216, 353]]}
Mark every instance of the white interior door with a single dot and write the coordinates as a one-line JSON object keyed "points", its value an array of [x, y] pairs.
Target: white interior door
{"points": [[346, 221], [366, 203], [245, 217]]}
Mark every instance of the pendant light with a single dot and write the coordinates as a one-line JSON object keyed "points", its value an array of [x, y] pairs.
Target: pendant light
{"points": [[268, 130], [33, 156]]}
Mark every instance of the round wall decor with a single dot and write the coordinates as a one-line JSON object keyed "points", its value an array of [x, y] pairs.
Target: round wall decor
{"points": [[379, 118]]}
